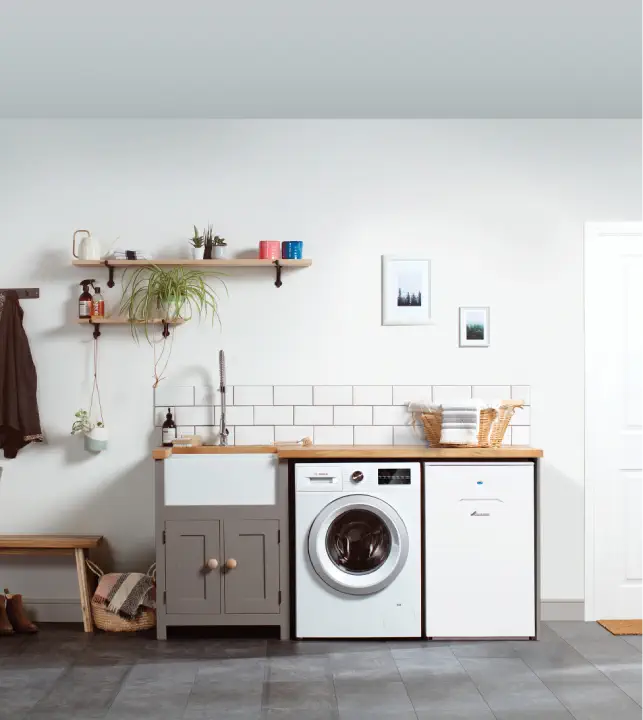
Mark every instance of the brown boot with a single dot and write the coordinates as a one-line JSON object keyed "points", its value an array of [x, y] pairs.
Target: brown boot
{"points": [[17, 614], [5, 625]]}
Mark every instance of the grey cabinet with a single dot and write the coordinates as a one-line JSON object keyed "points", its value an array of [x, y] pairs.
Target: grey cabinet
{"points": [[222, 564], [191, 586], [253, 585]]}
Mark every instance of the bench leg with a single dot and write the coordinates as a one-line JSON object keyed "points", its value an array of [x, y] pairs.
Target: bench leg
{"points": [[83, 586]]}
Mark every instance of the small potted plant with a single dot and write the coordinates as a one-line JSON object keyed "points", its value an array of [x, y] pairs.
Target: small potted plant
{"points": [[198, 245], [220, 246], [208, 242], [96, 435]]}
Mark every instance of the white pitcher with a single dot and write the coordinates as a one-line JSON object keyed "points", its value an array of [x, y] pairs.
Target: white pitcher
{"points": [[88, 248]]}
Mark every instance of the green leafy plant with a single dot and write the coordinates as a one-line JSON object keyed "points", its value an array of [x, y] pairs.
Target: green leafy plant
{"points": [[83, 424], [219, 240], [153, 293], [197, 241]]}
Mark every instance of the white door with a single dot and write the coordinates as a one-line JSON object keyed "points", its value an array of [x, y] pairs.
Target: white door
{"points": [[613, 418]]}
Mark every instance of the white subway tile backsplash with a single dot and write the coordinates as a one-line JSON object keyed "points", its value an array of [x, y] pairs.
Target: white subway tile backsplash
{"points": [[210, 434], [451, 393], [253, 394], [391, 415], [313, 415], [174, 395], [184, 430], [206, 395], [253, 435], [521, 392], [404, 394], [293, 433], [293, 394], [160, 413], [194, 416], [373, 435], [329, 435], [239, 415], [522, 416], [408, 435], [520, 435], [372, 395], [340, 414], [491, 393], [273, 415], [353, 415], [333, 394]]}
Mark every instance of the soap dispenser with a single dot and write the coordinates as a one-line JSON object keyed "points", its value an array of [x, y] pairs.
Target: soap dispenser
{"points": [[169, 431]]}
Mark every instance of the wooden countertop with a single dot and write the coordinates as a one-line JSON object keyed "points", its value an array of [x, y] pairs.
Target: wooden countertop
{"points": [[338, 452]]}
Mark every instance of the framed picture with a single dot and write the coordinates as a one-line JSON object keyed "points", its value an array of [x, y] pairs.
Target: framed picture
{"points": [[474, 327], [406, 290]]}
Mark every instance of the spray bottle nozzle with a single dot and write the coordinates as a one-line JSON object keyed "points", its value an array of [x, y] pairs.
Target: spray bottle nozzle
{"points": [[87, 283]]}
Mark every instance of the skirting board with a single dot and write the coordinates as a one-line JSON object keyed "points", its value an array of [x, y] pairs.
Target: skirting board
{"points": [[54, 610], [562, 610], [46, 610]]}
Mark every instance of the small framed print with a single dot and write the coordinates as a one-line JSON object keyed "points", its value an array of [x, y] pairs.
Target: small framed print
{"points": [[406, 290], [474, 327]]}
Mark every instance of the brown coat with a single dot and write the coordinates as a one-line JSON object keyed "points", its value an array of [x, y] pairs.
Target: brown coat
{"points": [[19, 419]]}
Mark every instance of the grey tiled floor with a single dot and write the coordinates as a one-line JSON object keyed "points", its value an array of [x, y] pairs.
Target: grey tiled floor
{"points": [[577, 670]]}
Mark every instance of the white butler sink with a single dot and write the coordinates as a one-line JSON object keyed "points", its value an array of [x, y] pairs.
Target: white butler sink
{"points": [[234, 479]]}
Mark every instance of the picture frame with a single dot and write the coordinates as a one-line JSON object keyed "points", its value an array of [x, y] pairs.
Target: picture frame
{"points": [[406, 290], [475, 326]]}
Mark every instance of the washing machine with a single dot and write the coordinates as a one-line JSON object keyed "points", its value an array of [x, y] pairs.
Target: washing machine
{"points": [[357, 548]]}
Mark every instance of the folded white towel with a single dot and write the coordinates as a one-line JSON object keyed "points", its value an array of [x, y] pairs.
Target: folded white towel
{"points": [[459, 436]]}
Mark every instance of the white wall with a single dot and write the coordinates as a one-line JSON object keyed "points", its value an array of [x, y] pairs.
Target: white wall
{"points": [[499, 206]]}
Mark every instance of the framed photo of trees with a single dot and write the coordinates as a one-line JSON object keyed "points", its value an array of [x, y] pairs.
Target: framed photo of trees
{"points": [[406, 290], [474, 326]]}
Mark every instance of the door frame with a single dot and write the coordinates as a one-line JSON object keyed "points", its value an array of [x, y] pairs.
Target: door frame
{"points": [[594, 233]]}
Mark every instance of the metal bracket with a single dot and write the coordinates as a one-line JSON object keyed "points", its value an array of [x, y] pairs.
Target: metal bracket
{"points": [[166, 329], [278, 282], [96, 330], [110, 282]]}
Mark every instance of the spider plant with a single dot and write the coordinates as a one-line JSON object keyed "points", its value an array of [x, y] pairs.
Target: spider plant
{"points": [[176, 293]]}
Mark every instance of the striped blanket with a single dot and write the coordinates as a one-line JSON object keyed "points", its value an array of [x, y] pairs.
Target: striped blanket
{"points": [[126, 593]]}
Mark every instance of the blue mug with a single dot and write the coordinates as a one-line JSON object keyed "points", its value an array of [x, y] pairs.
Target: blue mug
{"points": [[292, 250]]}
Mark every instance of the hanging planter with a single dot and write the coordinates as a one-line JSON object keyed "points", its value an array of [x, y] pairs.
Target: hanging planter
{"points": [[95, 434]]}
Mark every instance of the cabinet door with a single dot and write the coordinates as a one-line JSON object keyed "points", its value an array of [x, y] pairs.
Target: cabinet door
{"points": [[192, 587], [480, 565], [253, 585]]}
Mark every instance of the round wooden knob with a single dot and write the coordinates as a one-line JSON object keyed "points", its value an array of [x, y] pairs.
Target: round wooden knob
{"points": [[212, 564], [231, 564]]}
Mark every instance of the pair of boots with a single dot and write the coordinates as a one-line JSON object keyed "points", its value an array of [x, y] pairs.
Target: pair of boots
{"points": [[13, 617]]}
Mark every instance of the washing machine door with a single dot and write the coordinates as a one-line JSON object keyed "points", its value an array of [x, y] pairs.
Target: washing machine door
{"points": [[358, 544]]}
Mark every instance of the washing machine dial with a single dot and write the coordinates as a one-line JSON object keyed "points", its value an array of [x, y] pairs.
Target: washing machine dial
{"points": [[357, 476]]}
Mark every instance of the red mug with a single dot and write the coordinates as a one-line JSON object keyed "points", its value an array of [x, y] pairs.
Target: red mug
{"points": [[269, 249]]}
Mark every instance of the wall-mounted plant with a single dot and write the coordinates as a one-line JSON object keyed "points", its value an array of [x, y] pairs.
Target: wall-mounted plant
{"points": [[95, 434], [198, 245], [178, 293]]}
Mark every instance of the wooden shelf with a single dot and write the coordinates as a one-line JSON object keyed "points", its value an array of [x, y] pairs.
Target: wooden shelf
{"points": [[161, 262], [125, 321], [276, 265]]}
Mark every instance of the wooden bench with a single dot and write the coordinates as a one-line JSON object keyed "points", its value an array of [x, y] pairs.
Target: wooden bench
{"points": [[76, 545]]}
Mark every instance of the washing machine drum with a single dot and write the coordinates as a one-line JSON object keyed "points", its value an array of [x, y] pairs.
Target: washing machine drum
{"points": [[358, 544]]}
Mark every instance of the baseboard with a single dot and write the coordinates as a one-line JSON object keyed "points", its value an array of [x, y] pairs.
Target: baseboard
{"points": [[562, 610], [64, 610], [54, 610]]}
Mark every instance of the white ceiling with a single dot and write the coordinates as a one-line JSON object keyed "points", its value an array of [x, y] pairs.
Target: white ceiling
{"points": [[320, 58]]}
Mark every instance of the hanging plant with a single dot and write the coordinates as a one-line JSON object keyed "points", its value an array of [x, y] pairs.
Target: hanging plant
{"points": [[95, 434], [179, 293]]}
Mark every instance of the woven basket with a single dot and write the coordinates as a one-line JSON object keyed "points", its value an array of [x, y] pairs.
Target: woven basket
{"points": [[111, 622], [491, 431]]}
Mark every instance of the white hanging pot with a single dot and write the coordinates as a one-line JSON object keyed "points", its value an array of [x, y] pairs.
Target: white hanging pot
{"points": [[96, 440], [88, 247]]}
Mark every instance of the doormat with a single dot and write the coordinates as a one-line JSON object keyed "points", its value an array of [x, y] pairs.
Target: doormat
{"points": [[622, 627]]}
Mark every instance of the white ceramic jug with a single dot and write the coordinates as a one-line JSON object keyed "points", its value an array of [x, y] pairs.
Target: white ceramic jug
{"points": [[88, 248]]}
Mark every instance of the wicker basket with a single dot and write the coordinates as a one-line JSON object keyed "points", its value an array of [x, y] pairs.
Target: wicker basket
{"points": [[491, 431], [111, 622]]}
